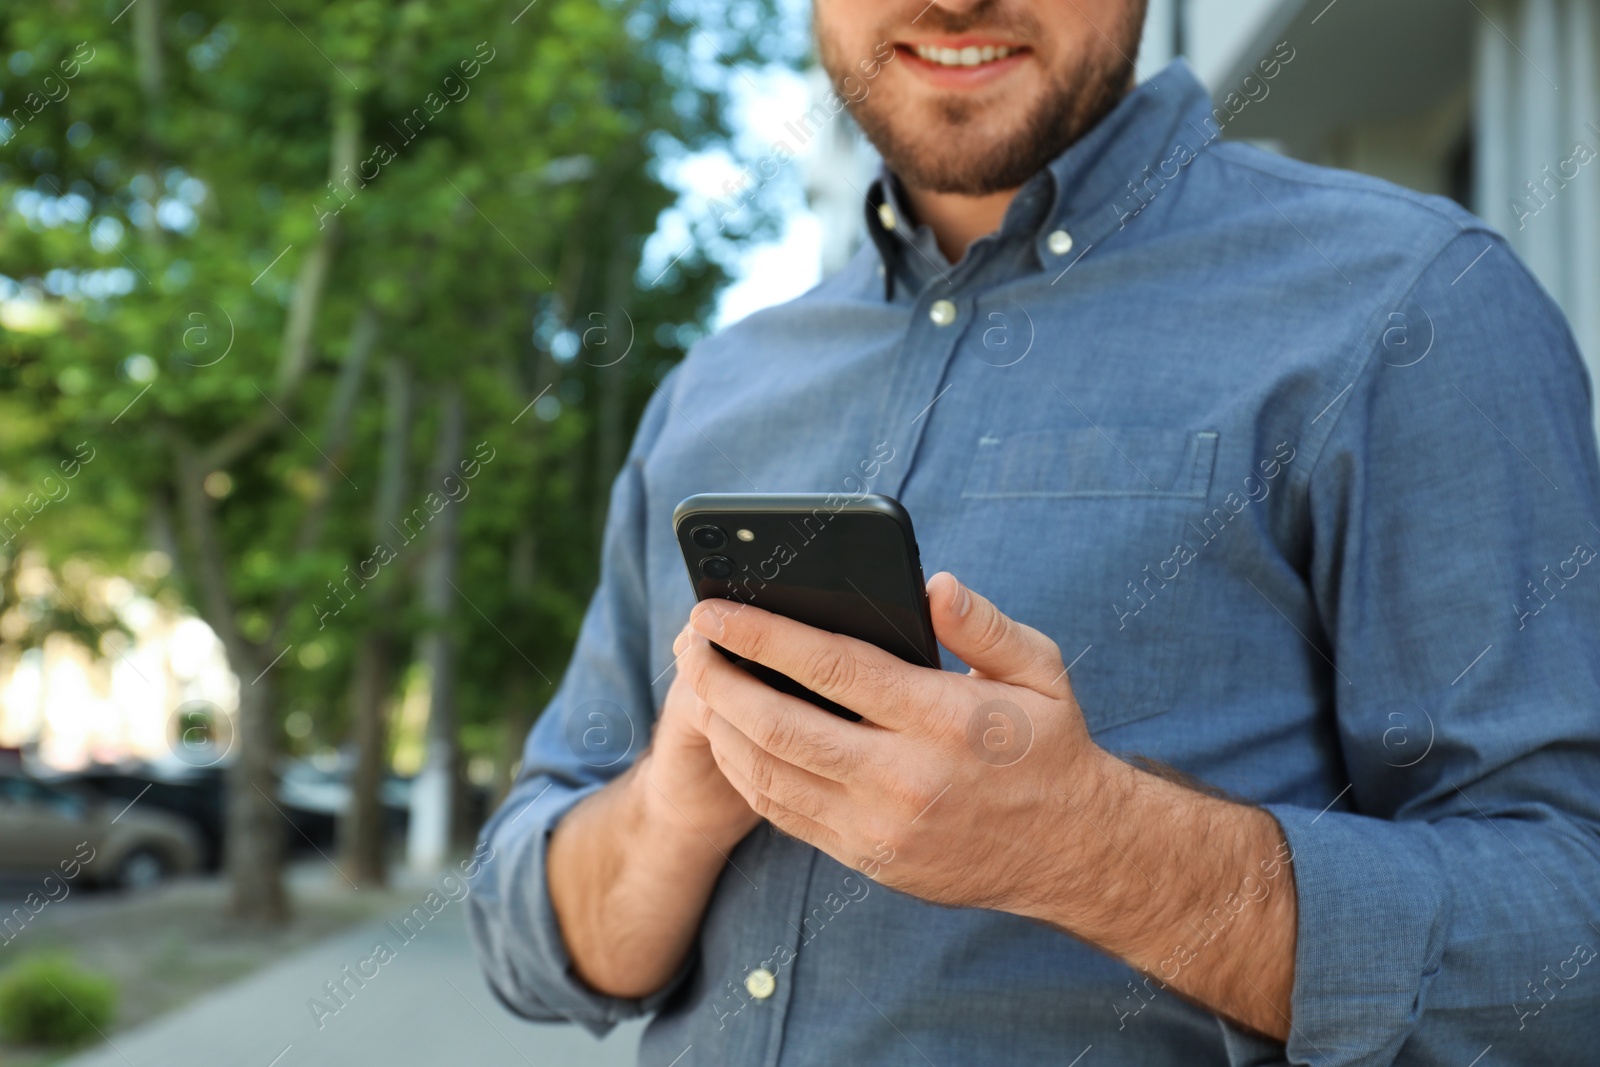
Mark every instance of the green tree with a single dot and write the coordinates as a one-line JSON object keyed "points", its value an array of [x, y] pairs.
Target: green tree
{"points": [[294, 271]]}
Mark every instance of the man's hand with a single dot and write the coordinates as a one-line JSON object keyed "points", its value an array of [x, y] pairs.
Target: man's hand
{"points": [[682, 778], [632, 866], [985, 790], [952, 773]]}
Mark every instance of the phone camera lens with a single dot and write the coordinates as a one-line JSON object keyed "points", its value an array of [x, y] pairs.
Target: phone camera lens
{"points": [[708, 537], [717, 568]]}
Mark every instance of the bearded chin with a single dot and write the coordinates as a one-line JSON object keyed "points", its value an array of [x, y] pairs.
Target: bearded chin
{"points": [[956, 157], [955, 153]]}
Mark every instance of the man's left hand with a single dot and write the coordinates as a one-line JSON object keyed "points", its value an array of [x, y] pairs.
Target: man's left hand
{"points": [[954, 788]]}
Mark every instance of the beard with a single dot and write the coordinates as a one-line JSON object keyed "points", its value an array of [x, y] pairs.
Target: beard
{"points": [[977, 148]]}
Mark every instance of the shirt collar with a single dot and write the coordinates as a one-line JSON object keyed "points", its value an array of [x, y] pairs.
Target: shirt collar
{"points": [[1077, 193]]}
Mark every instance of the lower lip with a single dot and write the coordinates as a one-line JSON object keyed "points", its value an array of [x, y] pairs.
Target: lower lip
{"points": [[962, 77]]}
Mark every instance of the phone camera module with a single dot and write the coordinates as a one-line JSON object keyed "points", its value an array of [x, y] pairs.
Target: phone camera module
{"points": [[708, 537], [717, 568]]}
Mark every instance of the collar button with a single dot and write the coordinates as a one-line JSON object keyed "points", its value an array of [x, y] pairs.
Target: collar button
{"points": [[886, 216], [943, 313], [1059, 242]]}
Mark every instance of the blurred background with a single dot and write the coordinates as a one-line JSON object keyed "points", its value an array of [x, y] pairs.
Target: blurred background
{"points": [[323, 331]]}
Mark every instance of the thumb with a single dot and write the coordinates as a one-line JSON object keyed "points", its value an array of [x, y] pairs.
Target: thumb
{"points": [[993, 644]]}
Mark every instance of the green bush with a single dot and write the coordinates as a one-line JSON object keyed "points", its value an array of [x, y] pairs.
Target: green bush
{"points": [[48, 1000]]}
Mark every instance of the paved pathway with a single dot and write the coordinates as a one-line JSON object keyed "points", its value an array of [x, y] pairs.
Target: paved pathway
{"points": [[426, 1006]]}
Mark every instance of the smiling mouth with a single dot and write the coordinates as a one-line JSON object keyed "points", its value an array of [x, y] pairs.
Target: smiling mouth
{"points": [[970, 56]]}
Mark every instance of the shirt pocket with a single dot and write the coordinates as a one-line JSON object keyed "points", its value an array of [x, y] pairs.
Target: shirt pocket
{"points": [[1090, 463], [1076, 525]]}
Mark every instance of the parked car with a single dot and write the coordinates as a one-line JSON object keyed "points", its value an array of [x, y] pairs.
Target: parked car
{"points": [[309, 801], [193, 795], [315, 794], [43, 826], [312, 797]]}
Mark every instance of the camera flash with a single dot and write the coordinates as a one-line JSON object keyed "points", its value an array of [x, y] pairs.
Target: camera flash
{"points": [[744, 535]]}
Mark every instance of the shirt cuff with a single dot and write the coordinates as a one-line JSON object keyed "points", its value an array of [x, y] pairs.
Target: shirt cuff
{"points": [[515, 929], [1374, 912]]}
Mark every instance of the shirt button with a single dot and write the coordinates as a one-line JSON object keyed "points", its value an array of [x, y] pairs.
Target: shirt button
{"points": [[943, 313], [886, 216], [1060, 242], [760, 983]]}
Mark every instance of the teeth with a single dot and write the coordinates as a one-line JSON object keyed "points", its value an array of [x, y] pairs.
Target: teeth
{"points": [[971, 56]]}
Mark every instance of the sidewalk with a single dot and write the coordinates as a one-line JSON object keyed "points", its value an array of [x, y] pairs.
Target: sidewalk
{"points": [[426, 1005]]}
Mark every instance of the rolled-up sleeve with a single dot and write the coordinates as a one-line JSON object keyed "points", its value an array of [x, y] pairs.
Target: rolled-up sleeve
{"points": [[598, 721], [1448, 898]]}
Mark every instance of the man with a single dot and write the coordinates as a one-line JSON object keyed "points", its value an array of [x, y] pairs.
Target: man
{"points": [[1265, 499]]}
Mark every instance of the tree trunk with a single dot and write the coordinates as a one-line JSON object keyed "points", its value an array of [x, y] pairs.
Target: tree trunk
{"points": [[254, 846], [255, 825], [294, 356], [364, 831], [518, 695], [428, 840], [516, 718], [147, 50], [312, 282], [464, 816]]}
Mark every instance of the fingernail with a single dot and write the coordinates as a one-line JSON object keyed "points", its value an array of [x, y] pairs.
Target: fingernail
{"points": [[963, 602], [707, 618]]}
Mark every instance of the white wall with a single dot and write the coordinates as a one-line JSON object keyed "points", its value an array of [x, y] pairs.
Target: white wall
{"points": [[1537, 100], [1218, 30]]}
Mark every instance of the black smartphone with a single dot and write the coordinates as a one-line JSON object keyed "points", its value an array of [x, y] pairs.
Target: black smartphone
{"points": [[843, 563]]}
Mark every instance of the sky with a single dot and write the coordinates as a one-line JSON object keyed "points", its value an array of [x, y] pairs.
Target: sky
{"points": [[764, 272]]}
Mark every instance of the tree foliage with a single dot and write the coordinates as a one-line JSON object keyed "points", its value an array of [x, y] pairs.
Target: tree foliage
{"points": [[254, 256]]}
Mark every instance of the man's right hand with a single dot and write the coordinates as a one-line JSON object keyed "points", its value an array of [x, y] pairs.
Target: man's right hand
{"points": [[632, 866], [682, 783]]}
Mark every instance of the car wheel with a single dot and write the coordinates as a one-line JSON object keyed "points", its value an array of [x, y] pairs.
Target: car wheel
{"points": [[143, 868]]}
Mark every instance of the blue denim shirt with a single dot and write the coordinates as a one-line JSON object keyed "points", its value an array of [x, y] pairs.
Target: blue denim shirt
{"points": [[1297, 468]]}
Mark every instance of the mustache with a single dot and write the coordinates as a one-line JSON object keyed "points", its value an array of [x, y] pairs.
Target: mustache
{"points": [[990, 15]]}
